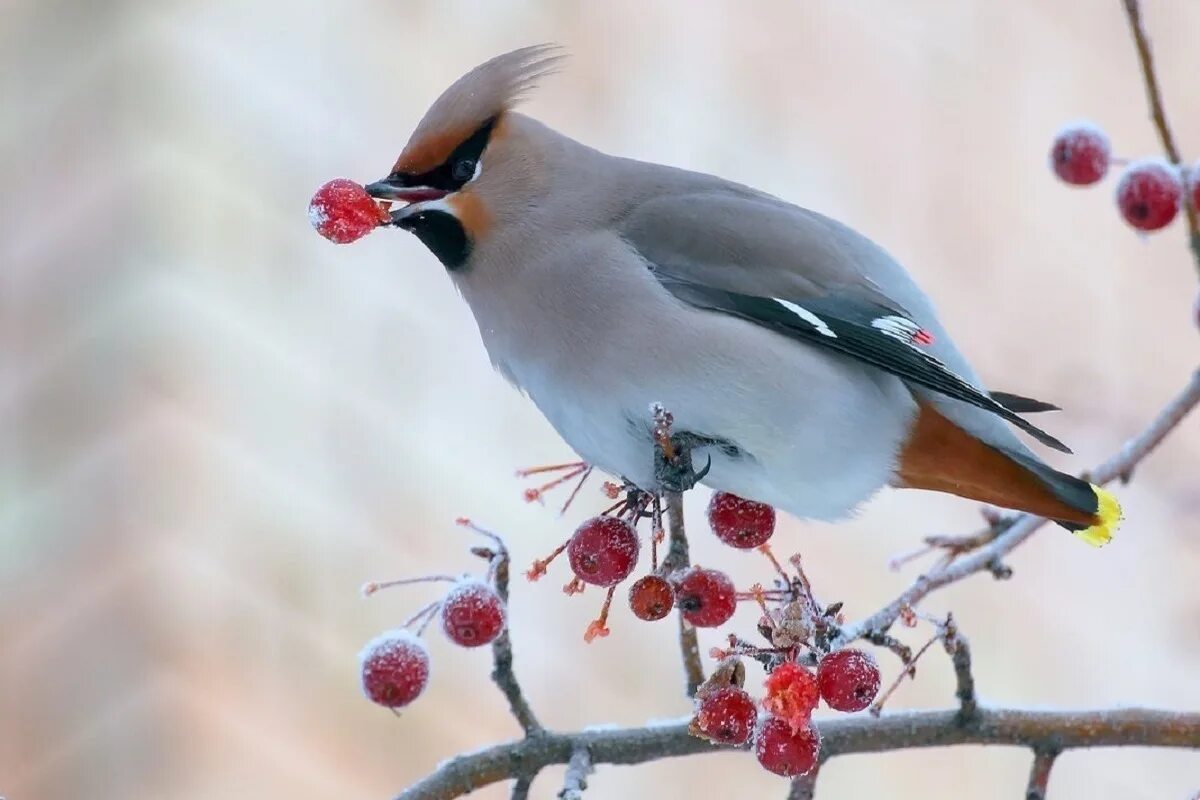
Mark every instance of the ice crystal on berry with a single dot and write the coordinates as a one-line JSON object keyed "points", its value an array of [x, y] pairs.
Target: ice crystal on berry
{"points": [[394, 668], [740, 523], [472, 614], [706, 597]]}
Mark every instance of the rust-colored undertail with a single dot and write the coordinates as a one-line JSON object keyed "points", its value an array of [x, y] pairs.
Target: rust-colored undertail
{"points": [[944, 458]]}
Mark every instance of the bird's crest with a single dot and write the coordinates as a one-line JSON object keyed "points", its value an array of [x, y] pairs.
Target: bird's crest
{"points": [[482, 94]]}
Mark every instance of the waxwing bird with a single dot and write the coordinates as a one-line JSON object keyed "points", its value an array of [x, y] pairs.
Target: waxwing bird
{"points": [[801, 361]]}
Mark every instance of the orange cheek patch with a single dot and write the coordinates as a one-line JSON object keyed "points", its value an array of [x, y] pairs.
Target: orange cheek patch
{"points": [[472, 215]]}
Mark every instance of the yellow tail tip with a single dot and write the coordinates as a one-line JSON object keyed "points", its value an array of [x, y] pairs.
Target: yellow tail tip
{"points": [[1108, 512]]}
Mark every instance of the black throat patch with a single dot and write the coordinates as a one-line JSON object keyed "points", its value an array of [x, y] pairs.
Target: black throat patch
{"points": [[443, 234]]}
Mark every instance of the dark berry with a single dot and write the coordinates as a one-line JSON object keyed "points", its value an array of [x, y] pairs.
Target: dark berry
{"points": [[1080, 154], [740, 523], [651, 598], [472, 614], [603, 551], [726, 715], [849, 679], [784, 751], [395, 668], [791, 694], [1149, 195], [706, 597], [342, 211]]}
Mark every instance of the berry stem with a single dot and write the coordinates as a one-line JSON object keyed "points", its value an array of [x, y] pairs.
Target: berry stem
{"points": [[371, 587], [424, 617], [587, 473], [598, 628], [570, 465], [536, 494], [910, 671]]}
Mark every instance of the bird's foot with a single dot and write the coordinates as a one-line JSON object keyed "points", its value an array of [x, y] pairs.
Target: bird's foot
{"points": [[674, 470]]}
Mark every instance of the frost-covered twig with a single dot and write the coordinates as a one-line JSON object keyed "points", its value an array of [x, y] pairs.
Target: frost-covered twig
{"points": [[805, 786], [521, 787], [578, 770], [1119, 466], [502, 656], [677, 558], [960, 655], [1159, 115], [1039, 773], [1037, 730]]}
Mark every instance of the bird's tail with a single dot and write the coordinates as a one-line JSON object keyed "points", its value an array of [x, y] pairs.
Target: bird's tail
{"points": [[942, 457], [1100, 507]]}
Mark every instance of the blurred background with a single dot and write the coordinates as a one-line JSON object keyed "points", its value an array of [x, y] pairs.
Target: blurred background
{"points": [[216, 425]]}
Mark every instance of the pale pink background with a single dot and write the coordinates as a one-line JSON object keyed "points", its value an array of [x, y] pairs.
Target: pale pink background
{"points": [[215, 425]]}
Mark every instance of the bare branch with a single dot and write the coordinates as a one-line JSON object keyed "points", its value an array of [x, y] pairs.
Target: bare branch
{"points": [[1039, 773], [1158, 114], [805, 786], [521, 787], [960, 655], [677, 558], [1120, 465], [502, 658], [578, 770], [1045, 730]]}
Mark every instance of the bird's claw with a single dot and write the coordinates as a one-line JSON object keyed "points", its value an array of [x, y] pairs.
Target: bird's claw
{"points": [[678, 474]]}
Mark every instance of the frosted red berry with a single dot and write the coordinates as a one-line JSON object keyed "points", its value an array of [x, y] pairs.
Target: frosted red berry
{"points": [[784, 751], [1149, 195], [726, 715], [706, 597], [603, 551], [1080, 154], [342, 211], [395, 668], [740, 523], [849, 680], [651, 598], [791, 694], [472, 614]]}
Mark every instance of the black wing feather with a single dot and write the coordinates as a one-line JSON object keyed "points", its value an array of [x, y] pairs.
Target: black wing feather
{"points": [[849, 319]]}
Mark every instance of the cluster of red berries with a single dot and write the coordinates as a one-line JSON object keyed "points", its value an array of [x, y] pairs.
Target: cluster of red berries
{"points": [[785, 740], [604, 551], [1150, 193], [343, 212], [395, 664]]}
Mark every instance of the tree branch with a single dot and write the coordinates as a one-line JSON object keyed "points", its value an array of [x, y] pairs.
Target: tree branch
{"points": [[1158, 114], [805, 786], [1038, 730], [578, 770], [1039, 773], [678, 558], [502, 659], [1119, 466], [521, 787]]}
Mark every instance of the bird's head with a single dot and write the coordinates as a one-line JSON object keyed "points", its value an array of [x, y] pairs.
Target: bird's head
{"points": [[460, 166]]}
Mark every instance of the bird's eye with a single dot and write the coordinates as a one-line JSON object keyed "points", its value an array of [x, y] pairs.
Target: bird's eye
{"points": [[464, 170]]}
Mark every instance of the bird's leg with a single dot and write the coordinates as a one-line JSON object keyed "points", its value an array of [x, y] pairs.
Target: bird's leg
{"points": [[674, 470]]}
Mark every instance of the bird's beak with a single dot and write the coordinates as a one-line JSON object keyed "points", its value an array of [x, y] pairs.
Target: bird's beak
{"points": [[392, 189]]}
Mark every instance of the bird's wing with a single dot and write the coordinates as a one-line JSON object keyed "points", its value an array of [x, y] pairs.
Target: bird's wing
{"points": [[738, 252]]}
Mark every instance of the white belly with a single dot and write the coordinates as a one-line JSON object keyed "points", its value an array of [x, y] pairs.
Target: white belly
{"points": [[816, 451]]}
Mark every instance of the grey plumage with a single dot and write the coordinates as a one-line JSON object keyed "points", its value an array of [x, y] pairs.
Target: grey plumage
{"points": [[601, 285]]}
